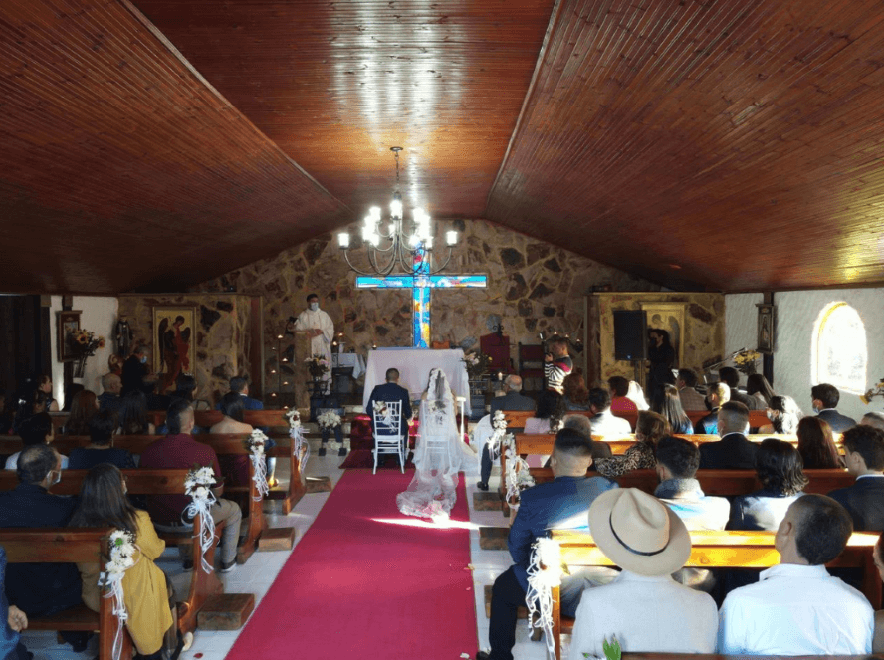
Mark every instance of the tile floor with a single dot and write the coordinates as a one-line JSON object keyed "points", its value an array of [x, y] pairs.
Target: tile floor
{"points": [[259, 572]]}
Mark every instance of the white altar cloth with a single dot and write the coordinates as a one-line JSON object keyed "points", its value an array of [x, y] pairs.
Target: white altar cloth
{"points": [[414, 366]]}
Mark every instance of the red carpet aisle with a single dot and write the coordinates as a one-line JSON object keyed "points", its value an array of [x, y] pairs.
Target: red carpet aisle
{"points": [[357, 589]]}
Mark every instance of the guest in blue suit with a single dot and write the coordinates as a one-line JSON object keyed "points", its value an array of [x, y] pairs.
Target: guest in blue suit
{"points": [[561, 504], [240, 385], [15, 621], [391, 391]]}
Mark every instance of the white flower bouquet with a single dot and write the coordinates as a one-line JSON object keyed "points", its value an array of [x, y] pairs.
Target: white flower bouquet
{"points": [[329, 419], [121, 550], [256, 442]]}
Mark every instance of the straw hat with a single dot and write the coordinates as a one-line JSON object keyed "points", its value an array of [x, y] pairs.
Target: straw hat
{"points": [[638, 532]]}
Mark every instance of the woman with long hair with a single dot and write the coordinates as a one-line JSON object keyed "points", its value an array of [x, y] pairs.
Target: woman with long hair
{"points": [[816, 444], [576, 396], [234, 467], [147, 594], [759, 387], [780, 471], [83, 409], [649, 428], [133, 415], [783, 414], [670, 407], [548, 416]]}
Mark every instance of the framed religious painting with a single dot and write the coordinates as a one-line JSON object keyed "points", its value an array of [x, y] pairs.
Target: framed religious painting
{"points": [[174, 338], [68, 327], [766, 328]]}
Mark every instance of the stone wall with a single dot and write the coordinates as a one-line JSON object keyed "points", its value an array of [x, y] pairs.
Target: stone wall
{"points": [[222, 333], [533, 287], [702, 335]]}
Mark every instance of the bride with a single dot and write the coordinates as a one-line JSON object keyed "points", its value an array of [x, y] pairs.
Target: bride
{"points": [[439, 455]]}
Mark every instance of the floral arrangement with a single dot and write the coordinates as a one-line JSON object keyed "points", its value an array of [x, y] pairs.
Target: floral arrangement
{"points": [[198, 485], [871, 393], [317, 365], [518, 475], [382, 410], [499, 438], [477, 363], [255, 443], [329, 419], [121, 556], [300, 446], [88, 341], [544, 572], [745, 361]]}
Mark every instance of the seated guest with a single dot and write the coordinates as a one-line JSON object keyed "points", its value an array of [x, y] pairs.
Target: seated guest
{"points": [[825, 399], [686, 383], [155, 401], [731, 377], [110, 398], [29, 402], [36, 430], [677, 463], [574, 392], [618, 386], [878, 639], [14, 621], [580, 423], [234, 467], [649, 429], [637, 396], [549, 413], [45, 386], [83, 408], [133, 415], [240, 385], [100, 450], [778, 465], [797, 608], [783, 414], [180, 450], [669, 405], [864, 459], [717, 395], [41, 589], [147, 593], [816, 444], [560, 504], [185, 388], [602, 420], [513, 399], [874, 418], [733, 451], [643, 607], [759, 387]]}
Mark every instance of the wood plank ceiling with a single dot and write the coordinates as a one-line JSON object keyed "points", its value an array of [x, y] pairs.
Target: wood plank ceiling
{"points": [[721, 144]]}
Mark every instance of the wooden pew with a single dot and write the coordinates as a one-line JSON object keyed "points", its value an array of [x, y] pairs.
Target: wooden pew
{"points": [[717, 550], [151, 482], [48, 544], [516, 418], [205, 418]]}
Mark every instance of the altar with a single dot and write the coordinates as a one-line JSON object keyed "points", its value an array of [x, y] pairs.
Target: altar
{"points": [[414, 365]]}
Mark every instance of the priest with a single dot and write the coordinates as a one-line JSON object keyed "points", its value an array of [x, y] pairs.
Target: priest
{"points": [[318, 326]]}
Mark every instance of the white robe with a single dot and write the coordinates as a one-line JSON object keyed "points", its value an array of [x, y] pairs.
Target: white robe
{"points": [[320, 344]]}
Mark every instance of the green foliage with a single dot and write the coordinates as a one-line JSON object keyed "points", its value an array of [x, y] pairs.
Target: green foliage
{"points": [[612, 650]]}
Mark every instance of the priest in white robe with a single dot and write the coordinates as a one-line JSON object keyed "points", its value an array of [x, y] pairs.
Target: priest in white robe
{"points": [[318, 326]]}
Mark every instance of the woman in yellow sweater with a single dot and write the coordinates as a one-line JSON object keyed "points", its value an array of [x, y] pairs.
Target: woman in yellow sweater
{"points": [[147, 593]]}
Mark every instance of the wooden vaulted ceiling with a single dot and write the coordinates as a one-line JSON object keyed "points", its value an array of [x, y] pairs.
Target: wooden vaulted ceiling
{"points": [[721, 144]]}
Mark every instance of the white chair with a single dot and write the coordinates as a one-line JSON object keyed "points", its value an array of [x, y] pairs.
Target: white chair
{"points": [[388, 438]]}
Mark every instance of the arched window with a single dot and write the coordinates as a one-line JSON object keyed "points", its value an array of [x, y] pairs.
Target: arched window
{"points": [[839, 354]]}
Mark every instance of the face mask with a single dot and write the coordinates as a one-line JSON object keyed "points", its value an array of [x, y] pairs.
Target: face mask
{"points": [[771, 415], [314, 307], [143, 359], [816, 409], [54, 477]]}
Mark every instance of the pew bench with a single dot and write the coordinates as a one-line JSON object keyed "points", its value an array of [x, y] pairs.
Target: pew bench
{"points": [[516, 418], [39, 545], [718, 550]]}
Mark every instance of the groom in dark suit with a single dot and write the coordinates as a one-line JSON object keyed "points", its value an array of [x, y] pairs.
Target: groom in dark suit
{"points": [[392, 391], [561, 504]]}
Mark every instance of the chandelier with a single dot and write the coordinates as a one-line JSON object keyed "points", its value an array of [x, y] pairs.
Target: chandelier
{"points": [[391, 250]]}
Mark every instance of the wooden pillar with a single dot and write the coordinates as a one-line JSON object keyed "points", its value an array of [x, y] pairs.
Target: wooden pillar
{"points": [[768, 359], [67, 305]]}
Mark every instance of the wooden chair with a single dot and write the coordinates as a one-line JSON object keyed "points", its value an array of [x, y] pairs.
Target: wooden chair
{"points": [[388, 438]]}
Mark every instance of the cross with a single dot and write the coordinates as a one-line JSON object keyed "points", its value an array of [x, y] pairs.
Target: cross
{"points": [[421, 284]]}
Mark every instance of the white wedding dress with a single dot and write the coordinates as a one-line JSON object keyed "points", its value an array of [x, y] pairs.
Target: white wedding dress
{"points": [[439, 455]]}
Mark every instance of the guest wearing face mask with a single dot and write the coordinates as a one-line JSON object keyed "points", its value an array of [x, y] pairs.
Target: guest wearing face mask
{"points": [[135, 370], [318, 326]]}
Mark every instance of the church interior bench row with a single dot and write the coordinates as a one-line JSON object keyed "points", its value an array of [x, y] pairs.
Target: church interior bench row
{"points": [[143, 482], [68, 545], [719, 550], [517, 418], [222, 443], [206, 418]]}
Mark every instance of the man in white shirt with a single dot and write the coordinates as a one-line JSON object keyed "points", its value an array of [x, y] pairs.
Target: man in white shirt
{"points": [[643, 607], [318, 326], [797, 608], [603, 421]]}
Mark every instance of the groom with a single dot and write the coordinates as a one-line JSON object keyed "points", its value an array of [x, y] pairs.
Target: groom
{"points": [[389, 391]]}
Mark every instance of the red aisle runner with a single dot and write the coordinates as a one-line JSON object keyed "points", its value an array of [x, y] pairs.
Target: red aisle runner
{"points": [[357, 588]]}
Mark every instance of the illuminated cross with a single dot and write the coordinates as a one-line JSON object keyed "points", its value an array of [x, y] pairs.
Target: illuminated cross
{"points": [[421, 283]]}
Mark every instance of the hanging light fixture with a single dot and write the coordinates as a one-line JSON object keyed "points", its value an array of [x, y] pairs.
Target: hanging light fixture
{"points": [[390, 249]]}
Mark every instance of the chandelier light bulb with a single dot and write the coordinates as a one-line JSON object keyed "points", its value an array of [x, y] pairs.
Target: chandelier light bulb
{"points": [[413, 241], [396, 208], [451, 238], [343, 240], [375, 213], [428, 242]]}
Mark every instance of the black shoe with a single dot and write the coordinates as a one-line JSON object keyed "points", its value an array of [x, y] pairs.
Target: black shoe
{"points": [[187, 565], [322, 451], [482, 485], [342, 451], [482, 655]]}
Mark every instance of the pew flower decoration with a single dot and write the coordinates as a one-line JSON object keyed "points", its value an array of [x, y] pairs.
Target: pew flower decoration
{"points": [[871, 393], [256, 444], [198, 486], [300, 446], [329, 419], [745, 361], [121, 555], [317, 365], [544, 572], [499, 438], [382, 410], [518, 475]]}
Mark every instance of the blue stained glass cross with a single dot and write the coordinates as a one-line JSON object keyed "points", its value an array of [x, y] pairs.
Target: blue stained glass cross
{"points": [[421, 284]]}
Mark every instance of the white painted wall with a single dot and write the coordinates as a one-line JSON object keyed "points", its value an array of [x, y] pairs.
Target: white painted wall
{"points": [[796, 314], [99, 316]]}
